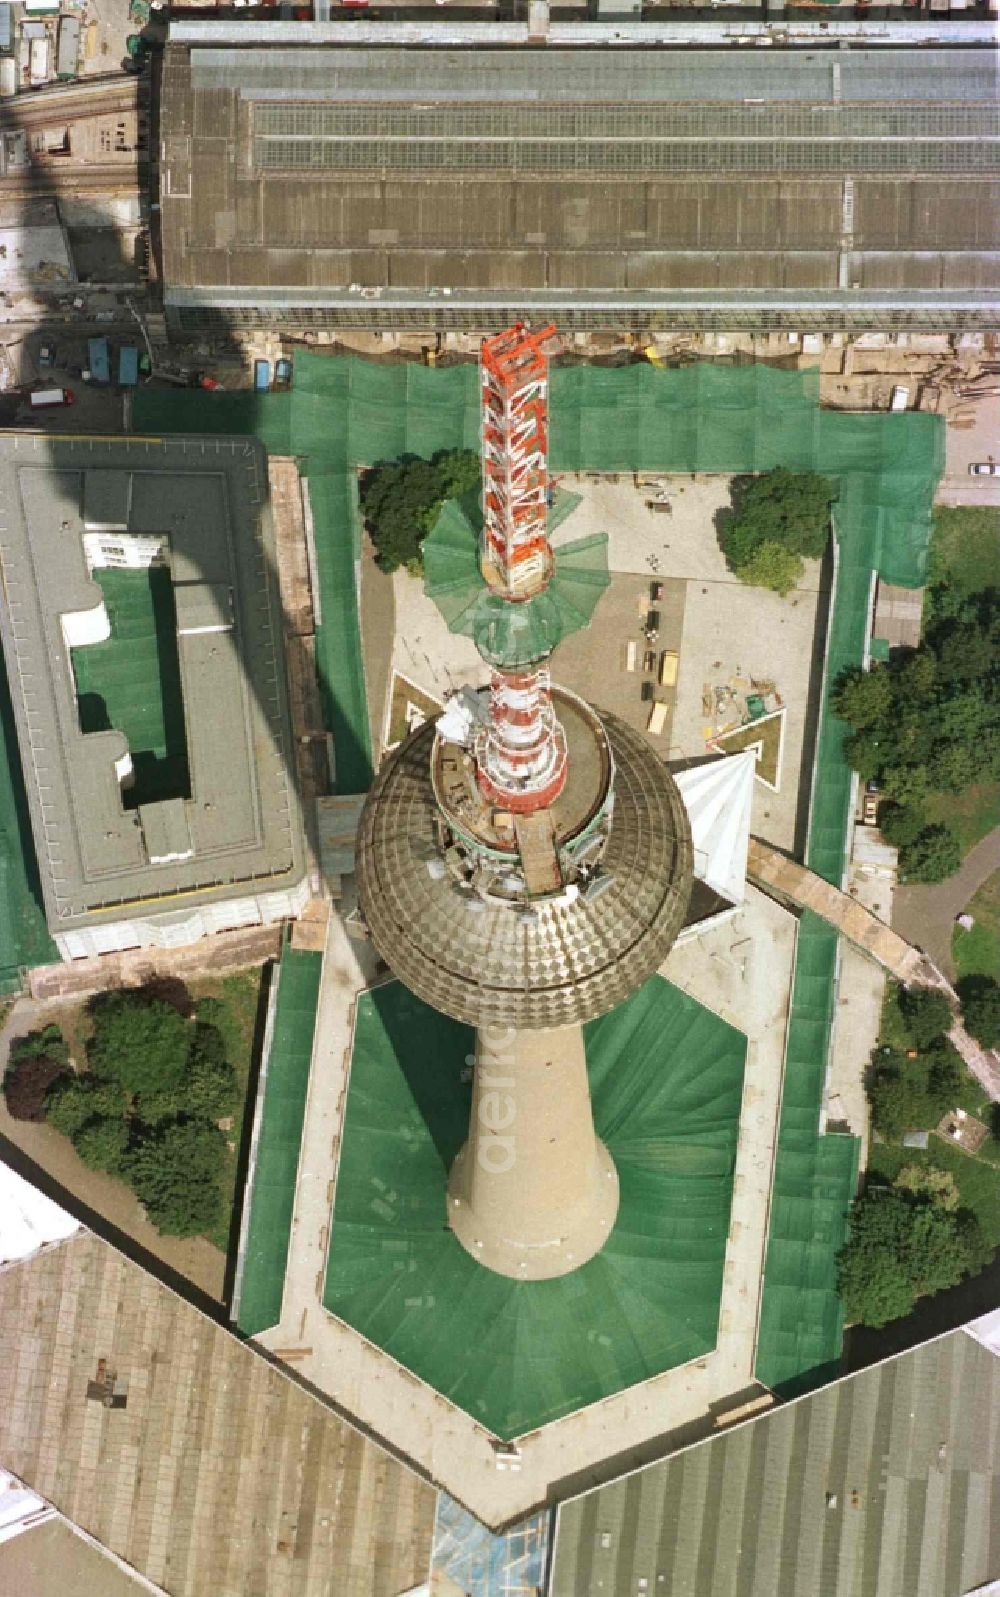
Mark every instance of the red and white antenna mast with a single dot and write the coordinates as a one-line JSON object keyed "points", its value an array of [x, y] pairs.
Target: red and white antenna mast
{"points": [[521, 752]]}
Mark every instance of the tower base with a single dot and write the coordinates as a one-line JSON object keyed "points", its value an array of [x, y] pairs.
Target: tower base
{"points": [[533, 1194]]}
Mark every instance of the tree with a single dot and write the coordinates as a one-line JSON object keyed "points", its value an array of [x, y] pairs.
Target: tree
{"points": [[933, 855], [75, 1101], [458, 471], [926, 1013], [955, 766], [945, 1076], [211, 1088], [780, 506], [864, 698], [772, 566], [937, 1186], [143, 1044], [900, 1102], [874, 1299], [46, 1043], [26, 1087], [102, 1144], [980, 999], [402, 499], [175, 1172], [36, 1062], [899, 1241], [900, 823]]}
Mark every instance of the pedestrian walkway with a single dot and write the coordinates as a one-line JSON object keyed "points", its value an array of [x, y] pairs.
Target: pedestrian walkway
{"points": [[785, 878]]}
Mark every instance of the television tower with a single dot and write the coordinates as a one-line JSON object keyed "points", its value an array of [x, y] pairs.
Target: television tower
{"points": [[524, 864]]}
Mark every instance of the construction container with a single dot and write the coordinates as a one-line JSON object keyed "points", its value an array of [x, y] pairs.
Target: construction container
{"points": [[8, 77], [68, 48], [668, 668], [38, 62], [262, 376], [98, 360], [6, 27], [657, 719], [128, 366]]}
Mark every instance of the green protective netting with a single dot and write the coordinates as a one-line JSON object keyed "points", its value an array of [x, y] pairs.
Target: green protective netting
{"points": [[801, 1326], [666, 1077], [132, 681], [344, 412], [333, 498], [510, 634], [271, 1189], [24, 936]]}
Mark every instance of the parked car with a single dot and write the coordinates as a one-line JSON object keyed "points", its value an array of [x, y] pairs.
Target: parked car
{"points": [[985, 468]]}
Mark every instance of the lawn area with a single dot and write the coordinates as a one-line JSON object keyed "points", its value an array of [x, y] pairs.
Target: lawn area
{"points": [[977, 1180], [977, 952], [240, 997], [970, 814], [965, 550]]}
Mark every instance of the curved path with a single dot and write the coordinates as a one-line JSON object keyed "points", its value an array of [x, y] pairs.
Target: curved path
{"points": [[925, 915]]}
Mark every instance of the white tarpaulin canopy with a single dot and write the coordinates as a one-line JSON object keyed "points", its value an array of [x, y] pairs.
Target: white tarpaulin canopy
{"points": [[28, 1218], [717, 796]]}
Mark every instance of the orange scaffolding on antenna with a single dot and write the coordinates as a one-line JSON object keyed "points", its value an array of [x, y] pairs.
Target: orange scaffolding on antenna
{"points": [[521, 752]]}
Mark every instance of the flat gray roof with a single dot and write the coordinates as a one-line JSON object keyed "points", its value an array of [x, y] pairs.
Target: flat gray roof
{"points": [[886, 1483], [240, 828], [319, 173]]}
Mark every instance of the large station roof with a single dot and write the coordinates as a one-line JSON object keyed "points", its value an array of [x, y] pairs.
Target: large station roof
{"points": [[216, 1474], [368, 185], [884, 1483]]}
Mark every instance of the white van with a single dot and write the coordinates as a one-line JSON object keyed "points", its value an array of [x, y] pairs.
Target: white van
{"points": [[900, 398]]}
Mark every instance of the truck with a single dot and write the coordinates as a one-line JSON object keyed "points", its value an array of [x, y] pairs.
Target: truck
{"points": [[51, 398], [98, 361], [261, 376]]}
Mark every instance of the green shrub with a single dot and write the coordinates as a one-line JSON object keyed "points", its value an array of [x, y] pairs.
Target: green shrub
{"points": [[901, 824], [772, 566], [175, 1171], [76, 1100], [980, 999], [140, 1042], [926, 1015], [102, 1144], [933, 855]]}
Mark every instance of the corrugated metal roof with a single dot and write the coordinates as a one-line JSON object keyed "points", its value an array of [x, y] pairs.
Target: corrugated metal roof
{"points": [[598, 76], [220, 1475], [886, 1484], [488, 172]]}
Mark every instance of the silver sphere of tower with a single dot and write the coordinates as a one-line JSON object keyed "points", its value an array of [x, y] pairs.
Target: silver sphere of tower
{"points": [[439, 890]]}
